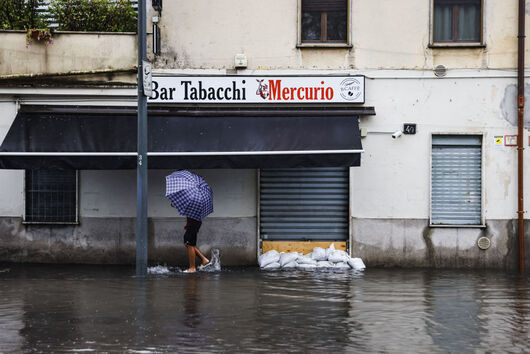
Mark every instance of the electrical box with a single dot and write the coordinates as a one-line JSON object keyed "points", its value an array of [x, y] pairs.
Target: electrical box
{"points": [[240, 61]]}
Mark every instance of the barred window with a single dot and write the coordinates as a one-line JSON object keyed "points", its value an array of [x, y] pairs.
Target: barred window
{"points": [[457, 21], [51, 196], [324, 21]]}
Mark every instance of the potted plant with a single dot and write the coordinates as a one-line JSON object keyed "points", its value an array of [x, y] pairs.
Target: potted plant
{"points": [[42, 35]]}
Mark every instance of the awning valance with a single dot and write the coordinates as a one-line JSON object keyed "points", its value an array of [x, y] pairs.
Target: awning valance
{"points": [[99, 138]]}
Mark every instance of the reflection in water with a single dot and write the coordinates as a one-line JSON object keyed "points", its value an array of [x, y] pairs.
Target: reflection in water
{"points": [[453, 310], [54, 308]]}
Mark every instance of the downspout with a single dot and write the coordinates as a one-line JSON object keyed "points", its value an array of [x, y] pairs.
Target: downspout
{"points": [[520, 124]]}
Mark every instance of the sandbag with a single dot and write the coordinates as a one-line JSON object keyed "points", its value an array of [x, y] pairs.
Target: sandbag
{"points": [[307, 266], [306, 260], [268, 257], [324, 264], [286, 258], [319, 254], [338, 256], [310, 255], [356, 263], [272, 266], [330, 250], [342, 265], [290, 265]]}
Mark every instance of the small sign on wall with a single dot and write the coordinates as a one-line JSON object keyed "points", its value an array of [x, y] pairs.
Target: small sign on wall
{"points": [[409, 128], [510, 140], [498, 142]]}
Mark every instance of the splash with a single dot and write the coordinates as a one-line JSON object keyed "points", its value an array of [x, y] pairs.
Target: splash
{"points": [[215, 262], [158, 270]]}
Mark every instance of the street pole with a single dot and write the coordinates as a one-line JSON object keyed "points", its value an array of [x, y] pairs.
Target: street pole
{"points": [[520, 126], [141, 167]]}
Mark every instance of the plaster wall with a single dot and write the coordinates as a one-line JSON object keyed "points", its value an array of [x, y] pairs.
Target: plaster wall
{"points": [[70, 52], [412, 243], [113, 241], [384, 34], [113, 193]]}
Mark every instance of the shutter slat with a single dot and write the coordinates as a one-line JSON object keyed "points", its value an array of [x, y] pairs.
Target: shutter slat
{"points": [[304, 204], [456, 180]]}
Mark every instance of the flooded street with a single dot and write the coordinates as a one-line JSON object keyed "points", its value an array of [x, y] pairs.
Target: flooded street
{"points": [[107, 309]]}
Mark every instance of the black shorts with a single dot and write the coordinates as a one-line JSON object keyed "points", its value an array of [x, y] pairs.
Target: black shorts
{"points": [[190, 236]]}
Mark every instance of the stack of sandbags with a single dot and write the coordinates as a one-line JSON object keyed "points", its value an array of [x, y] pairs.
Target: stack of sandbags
{"points": [[320, 258]]}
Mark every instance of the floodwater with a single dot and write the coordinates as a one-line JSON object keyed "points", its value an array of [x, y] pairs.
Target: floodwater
{"points": [[76, 309]]}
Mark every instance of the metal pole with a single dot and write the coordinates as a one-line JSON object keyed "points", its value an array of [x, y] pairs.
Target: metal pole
{"points": [[141, 167], [520, 148]]}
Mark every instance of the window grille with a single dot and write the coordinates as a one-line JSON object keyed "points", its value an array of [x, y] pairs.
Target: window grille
{"points": [[456, 180], [51, 196]]}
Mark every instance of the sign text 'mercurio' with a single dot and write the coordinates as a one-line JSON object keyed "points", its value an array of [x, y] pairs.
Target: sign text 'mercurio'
{"points": [[252, 89]]}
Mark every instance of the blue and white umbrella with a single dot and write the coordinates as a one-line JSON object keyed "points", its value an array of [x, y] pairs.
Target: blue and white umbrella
{"points": [[190, 194]]}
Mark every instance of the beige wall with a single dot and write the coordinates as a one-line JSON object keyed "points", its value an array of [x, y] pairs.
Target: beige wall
{"points": [[386, 34], [205, 34], [69, 52]]}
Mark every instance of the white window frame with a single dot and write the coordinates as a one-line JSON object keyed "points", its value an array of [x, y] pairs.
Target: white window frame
{"points": [[483, 181]]}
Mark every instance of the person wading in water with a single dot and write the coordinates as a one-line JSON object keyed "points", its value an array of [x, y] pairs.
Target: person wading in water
{"points": [[190, 241]]}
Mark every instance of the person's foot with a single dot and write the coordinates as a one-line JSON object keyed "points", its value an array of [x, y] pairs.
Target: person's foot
{"points": [[190, 270], [205, 263]]}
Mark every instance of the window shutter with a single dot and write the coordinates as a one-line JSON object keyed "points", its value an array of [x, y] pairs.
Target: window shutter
{"points": [[323, 5], [456, 187]]}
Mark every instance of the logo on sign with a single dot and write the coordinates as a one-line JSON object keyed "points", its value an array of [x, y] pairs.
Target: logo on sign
{"points": [[263, 89], [350, 89]]}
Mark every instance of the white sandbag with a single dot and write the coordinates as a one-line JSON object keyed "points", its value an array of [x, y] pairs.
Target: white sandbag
{"points": [[342, 265], [286, 258], [268, 258], [330, 250], [272, 266], [356, 263], [310, 255], [307, 266], [319, 254], [324, 264], [338, 256], [290, 265], [306, 260]]}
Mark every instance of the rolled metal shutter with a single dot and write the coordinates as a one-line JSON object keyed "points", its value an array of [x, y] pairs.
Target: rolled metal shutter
{"points": [[304, 204], [456, 186]]}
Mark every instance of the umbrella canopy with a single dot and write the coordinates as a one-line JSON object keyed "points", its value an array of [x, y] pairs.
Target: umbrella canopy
{"points": [[189, 194]]}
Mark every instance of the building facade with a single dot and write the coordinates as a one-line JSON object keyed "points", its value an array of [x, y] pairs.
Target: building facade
{"points": [[436, 178]]}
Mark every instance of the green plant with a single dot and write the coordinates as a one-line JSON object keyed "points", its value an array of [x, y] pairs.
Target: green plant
{"points": [[21, 14], [40, 35], [94, 15]]}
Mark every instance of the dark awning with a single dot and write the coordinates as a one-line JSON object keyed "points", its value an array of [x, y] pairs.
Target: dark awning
{"points": [[105, 138]]}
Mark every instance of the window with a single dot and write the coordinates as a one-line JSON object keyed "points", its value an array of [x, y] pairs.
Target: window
{"points": [[324, 21], [51, 196], [456, 180], [457, 21]]}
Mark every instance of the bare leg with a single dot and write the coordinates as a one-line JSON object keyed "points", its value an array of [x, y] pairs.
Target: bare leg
{"points": [[191, 258], [203, 259]]}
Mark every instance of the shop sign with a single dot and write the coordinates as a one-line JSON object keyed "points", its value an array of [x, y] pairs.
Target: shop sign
{"points": [[257, 89]]}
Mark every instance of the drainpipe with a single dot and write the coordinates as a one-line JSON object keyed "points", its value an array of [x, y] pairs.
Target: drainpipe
{"points": [[520, 123]]}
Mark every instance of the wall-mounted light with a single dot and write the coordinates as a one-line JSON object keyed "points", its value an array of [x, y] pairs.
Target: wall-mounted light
{"points": [[156, 36], [157, 5]]}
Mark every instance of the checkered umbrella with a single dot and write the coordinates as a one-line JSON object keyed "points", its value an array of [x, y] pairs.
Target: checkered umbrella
{"points": [[190, 194]]}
